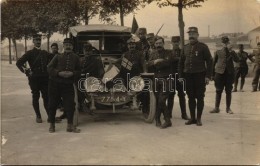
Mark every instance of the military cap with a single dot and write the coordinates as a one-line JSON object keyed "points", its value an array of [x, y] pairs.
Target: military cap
{"points": [[258, 43], [192, 29], [54, 44], [176, 38], [158, 38], [142, 30], [68, 40], [131, 40], [37, 36], [225, 39], [150, 35]]}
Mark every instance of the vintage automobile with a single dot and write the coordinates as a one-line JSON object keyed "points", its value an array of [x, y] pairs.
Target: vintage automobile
{"points": [[108, 93]]}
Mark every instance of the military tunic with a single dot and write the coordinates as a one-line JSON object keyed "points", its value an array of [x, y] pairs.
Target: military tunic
{"points": [[195, 64], [60, 87], [38, 79]]}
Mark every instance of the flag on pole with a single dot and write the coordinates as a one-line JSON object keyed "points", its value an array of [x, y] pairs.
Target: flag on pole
{"points": [[134, 26]]}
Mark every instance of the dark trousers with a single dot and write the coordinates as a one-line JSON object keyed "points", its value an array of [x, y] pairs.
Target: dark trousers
{"points": [[222, 81], [240, 72], [162, 94], [181, 95], [256, 83], [39, 85], [195, 88], [64, 91]]}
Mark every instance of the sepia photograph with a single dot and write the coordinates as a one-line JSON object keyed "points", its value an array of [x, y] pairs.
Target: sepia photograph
{"points": [[130, 82]]}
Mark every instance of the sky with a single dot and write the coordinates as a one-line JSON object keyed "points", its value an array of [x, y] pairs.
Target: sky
{"points": [[221, 15]]}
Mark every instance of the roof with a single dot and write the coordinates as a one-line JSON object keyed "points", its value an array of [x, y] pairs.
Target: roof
{"points": [[98, 28], [255, 30]]}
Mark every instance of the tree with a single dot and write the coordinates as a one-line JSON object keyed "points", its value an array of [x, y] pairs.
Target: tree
{"points": [[180, 4], [121, 7]]}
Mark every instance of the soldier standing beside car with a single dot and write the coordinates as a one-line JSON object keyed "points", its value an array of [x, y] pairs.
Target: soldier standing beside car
{"points": [[241, 68], [223, 69], [179, 86], [142, 44], [64, 70], [37, 74], [256, 82], [197, 75], [161, 61]]}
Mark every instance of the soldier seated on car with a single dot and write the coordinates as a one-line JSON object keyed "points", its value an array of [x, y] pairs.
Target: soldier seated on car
{"points": [[131, 61], [91, 66]]}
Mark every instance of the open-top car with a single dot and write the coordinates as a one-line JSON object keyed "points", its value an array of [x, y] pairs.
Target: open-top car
{"points": [[108, 92]]}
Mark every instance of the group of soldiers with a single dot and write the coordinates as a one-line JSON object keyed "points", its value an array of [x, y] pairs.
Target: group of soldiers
{"points": [[194, 67], [53, 74]]}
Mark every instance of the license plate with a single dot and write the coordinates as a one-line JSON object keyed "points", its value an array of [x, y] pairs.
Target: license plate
{"points": [[110, 99]]}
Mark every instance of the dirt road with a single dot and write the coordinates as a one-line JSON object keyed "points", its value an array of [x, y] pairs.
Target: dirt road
{"points": [[124, 138]]}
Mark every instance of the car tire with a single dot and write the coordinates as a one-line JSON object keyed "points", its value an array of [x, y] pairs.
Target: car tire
{"points": [[149, 114]]}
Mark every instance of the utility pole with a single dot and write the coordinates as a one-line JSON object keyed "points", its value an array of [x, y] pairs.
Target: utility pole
{"points": [[208, 30]]}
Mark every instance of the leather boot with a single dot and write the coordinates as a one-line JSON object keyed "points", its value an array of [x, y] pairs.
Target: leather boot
{"points": [[242, 84], [52, 128], [192, 106], [228, 103], [38, 120], [182, 101], [71, 128], [166, 124], [158, 123], [217, 103], [235, 86], [200, 107]]}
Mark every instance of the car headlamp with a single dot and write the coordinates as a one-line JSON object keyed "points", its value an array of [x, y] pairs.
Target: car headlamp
{"points": [[136, 84]]}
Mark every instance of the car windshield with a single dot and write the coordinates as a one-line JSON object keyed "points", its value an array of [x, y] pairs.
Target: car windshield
{"points": [[105, 43]]}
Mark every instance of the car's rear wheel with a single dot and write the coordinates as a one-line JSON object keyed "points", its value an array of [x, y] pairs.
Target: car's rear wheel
{"points": [[149, 106]]}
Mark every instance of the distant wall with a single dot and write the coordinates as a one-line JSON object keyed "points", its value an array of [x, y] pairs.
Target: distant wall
{"points": [[254, 38]]}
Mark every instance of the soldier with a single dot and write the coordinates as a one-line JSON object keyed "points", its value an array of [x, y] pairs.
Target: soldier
{"points": [[142, 44], [179, 87], [197, 75], [241, 67], [55, 50], [223, 69], [91, 66], [161, 61], [131, 61], [37, 74], [256, 82], [150, 48], [64, 69]]}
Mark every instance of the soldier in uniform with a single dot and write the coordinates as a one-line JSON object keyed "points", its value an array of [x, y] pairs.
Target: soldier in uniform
{"points": [[223, 69], [256, 82], [161, 61], [131, 61], [241, 67], [197, 75], [150, 48], [37, 74], [64, 70], [179, 87], [54, 48], [142, 44]]}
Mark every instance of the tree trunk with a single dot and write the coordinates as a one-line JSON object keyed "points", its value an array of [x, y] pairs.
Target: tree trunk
{"points": [[10, 55], [25, 44], [15, 48], [181, 23], [121, 13], [86, 16], [48, 41]]}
